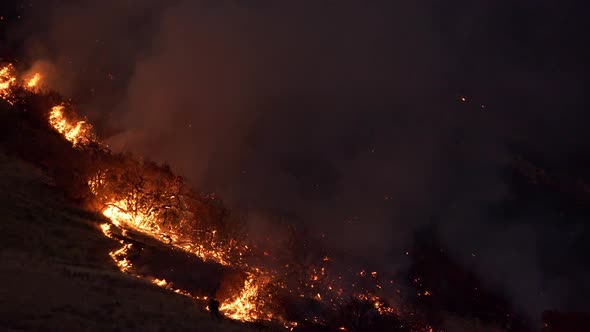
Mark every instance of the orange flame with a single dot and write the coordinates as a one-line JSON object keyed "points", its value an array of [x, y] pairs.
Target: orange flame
{"points": [[118, 213], [34, 81], [77, 132], [244, 306], [7, 79]]}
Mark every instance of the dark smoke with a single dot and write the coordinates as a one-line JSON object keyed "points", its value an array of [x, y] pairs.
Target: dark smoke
{"points": [[342, 116]]}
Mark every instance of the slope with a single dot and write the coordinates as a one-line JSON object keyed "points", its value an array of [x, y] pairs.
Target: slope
{"points": [[56, 274]]}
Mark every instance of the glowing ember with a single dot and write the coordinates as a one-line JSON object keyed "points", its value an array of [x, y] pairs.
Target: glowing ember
{"points": [[120, 257], [378, 304], [160, 282]]}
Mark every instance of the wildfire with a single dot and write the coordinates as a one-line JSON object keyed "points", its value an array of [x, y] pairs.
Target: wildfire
{"points": [[378, 303], [77, 132], [243, 307], [7, 79], [106, 229], [34, 81], [120, 257], [120, 215], [143, 209], [160, 282]]}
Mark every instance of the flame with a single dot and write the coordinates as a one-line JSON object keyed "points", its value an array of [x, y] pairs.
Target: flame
{"points": [[77, 132], [120, 215], [106, 229], [7, 80], [34, 81], [120, 257], [160, 282], [244, 306]]}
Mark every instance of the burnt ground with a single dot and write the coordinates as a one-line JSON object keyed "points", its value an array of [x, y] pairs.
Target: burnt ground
{"points": [[56, 275]]}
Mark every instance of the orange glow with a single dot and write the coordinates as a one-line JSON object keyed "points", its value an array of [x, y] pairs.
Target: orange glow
{"points": [[120, 257], [118, 213], [77, 132], [244, 306], [160, 282], [7, 79], [34, 81]]}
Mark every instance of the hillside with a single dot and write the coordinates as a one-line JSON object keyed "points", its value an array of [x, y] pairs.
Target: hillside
{"points": [[57, 275]]}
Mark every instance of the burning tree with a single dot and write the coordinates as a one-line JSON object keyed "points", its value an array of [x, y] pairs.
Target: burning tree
{"points": [[139, 192], [149, 197]]}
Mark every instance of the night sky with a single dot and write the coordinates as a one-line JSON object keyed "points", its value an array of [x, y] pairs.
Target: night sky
{"points": [[364, 121]]}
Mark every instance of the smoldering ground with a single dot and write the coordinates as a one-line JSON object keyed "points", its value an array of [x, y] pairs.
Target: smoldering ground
{"points": [[344, 117]]}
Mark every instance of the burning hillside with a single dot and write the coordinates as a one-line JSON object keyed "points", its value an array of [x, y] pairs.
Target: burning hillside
{"points": [[142, 198], [311, 165], [189, 243]]}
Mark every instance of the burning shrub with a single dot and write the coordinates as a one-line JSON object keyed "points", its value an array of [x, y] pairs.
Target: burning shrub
{"points": [[149, 197]]}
